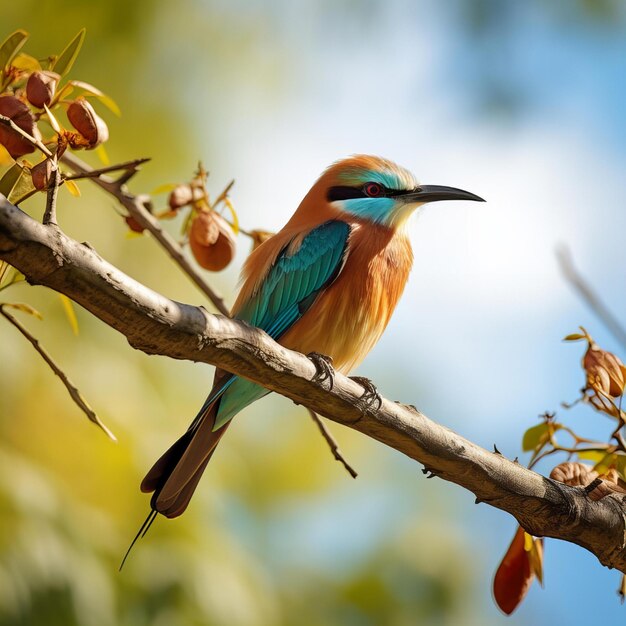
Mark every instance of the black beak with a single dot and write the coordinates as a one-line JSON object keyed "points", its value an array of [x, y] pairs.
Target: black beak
{"points": [[434, 193]]}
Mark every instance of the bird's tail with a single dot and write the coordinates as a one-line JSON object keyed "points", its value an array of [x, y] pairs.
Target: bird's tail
{"points": [[174, 477]]}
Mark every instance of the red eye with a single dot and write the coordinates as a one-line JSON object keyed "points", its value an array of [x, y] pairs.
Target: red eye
{"points": [[373, 190]]}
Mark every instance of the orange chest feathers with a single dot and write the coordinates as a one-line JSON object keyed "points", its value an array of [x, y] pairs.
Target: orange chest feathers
{"points": [[348, 318]]}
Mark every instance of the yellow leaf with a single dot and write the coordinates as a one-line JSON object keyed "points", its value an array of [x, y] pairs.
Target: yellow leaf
{"points": [[26, 62], [25, 308], [5, 157], [108, 102], [68, 307], [72, 187], [166, 188], [103, 155], [56, 127], [574, 337], [233, 214]]}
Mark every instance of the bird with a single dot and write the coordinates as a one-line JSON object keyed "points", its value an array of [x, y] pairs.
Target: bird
{"points": [[325, 285]]}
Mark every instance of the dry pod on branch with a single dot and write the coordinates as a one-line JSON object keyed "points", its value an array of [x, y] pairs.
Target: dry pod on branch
{"points": [[212, 240], [90, 126], [182, 195], [41, 174], [605, 371], [21, 116], [41, 87]]}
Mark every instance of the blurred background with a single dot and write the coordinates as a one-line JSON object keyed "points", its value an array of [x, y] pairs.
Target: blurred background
{"points": [[521, 103]]}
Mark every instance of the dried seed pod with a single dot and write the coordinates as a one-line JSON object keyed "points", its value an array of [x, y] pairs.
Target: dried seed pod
{"points": [[40, 88], [88, 123], [574, 474], [20, 115], [182, 195], [41, 174], [212, 240], [605, 371], [133, 224]]}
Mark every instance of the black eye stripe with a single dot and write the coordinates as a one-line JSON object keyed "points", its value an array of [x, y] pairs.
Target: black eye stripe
{"points": [[346, 193]]}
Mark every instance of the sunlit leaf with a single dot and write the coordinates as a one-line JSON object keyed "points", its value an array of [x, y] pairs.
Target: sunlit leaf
{"points": [[534, 547], [68, 307], [103, 155], [574, 337], [66, 59], [108, 102], [26, 63], [56, 127], [5, 157], [25, 308], [233, 214], [73, 188], [166, 188], [608, 461], [11, 46], [595, 456], [535, 436], [23, 187], [514, 575]]}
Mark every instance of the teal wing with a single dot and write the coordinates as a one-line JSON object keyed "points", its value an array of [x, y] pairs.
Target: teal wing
{"points": [[290, 288]]}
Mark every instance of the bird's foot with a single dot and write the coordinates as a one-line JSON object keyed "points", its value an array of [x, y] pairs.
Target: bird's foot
{"points": [[324, 368], [371, 395]]}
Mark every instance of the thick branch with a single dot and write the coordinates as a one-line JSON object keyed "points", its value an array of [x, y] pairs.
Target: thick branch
{"points": [[157, 325]]}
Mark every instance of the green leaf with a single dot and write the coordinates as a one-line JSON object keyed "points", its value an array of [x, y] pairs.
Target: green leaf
{"points": [[23, 187], [66, 59], [25, 308], [535, 436], [68, 307], [7, 182], [11, 46]]}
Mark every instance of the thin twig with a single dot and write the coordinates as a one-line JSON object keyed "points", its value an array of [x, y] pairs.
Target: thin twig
{"points": [[592, 299], [50, 214], [137, 206], [73, 391], [127, 166], [332, 443]]}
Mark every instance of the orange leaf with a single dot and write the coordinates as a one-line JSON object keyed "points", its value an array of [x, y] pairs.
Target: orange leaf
{"points": [[514, 575]]}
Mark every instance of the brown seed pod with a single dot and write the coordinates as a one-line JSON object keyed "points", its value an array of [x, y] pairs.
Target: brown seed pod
{"points": [[182, 195], [212, 240], [133, 224], [88, 123], [605, 371], [574, 474], [41, 174], [20, 115], [40, 88]]}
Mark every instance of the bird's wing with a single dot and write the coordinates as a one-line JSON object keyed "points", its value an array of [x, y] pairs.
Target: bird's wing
{"points": [[288, 291]]}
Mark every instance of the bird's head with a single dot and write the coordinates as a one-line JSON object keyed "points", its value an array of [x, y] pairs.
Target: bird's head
{"points": [[377, 190]]}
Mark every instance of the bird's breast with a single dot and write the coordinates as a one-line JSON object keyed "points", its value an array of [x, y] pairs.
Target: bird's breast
{"points": [[350, 315]]}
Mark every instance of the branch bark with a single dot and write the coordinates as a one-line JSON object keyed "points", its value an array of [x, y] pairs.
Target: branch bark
{"points": [[157, 325]]}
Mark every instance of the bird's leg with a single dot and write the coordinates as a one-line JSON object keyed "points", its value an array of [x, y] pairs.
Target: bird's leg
{"points": [[371, 394], [324, 368]]}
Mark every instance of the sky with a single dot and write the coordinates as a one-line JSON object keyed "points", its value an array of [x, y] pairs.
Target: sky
{"points": [[480, 326]]}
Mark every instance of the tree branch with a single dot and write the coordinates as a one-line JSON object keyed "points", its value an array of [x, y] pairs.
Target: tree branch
{"points": [[157, 325]]}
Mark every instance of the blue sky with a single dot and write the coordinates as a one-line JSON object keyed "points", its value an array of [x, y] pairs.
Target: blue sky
{"points": [[477, 334]]}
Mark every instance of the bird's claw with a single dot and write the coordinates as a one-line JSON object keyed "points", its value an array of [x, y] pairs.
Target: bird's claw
{"points": [[324, 368], [371, 395]]}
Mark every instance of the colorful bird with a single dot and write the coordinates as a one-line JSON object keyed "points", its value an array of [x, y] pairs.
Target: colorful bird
{"points": [[326, 284]]}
